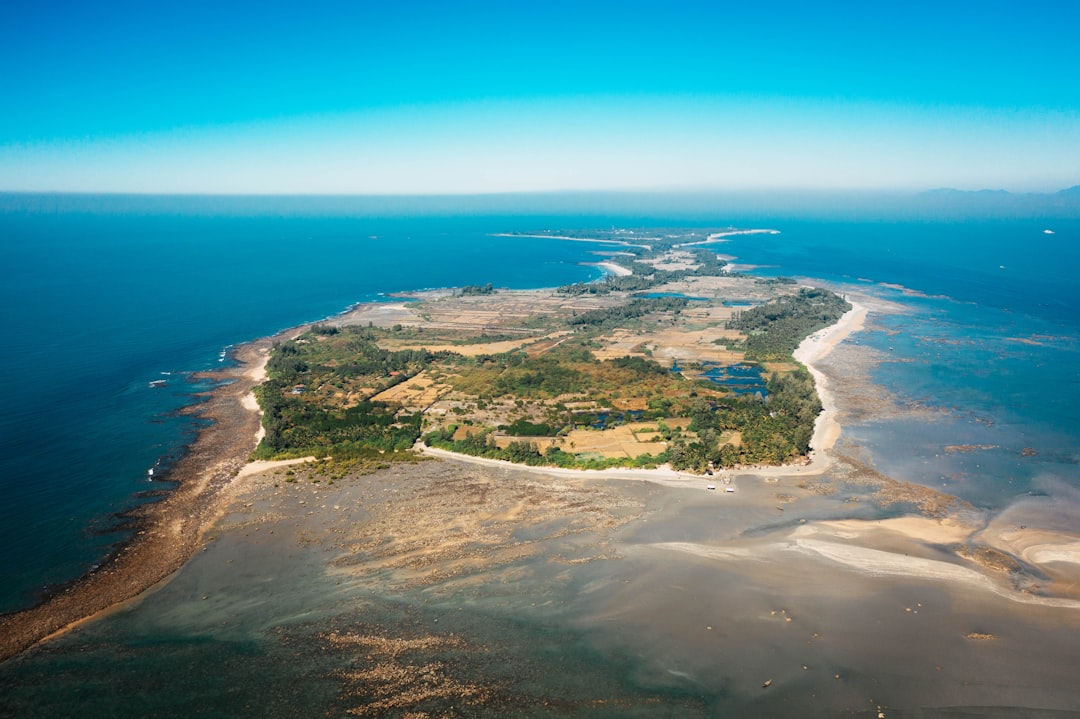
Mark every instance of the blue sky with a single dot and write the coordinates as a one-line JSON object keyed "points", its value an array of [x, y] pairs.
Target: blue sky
{"points": [[418, 97]]}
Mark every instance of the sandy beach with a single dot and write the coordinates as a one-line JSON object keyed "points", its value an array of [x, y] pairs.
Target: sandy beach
{"points": [[624, 243], [661, 475], [719, 236], [614, 269], [812, 350]]}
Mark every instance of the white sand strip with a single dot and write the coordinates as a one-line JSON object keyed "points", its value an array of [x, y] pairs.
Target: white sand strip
{"points": [[261, 465], [257, 373], [878, 563], [719, 236], [813, 349], [921, 529], [708, 551], [614, 269], [866, 561], [826, 429]]}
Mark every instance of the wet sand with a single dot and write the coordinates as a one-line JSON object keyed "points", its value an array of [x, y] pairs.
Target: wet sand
{"points": [[711, 594], [444, 588]]}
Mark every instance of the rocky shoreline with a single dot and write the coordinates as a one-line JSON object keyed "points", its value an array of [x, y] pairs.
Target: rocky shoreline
{"points": [[165, 533]]}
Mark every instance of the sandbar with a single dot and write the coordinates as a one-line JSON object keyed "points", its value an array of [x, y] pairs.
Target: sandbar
{"points": [[614, 269], [719, 236]]}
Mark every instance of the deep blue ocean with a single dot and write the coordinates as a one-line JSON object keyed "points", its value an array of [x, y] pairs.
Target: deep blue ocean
{"points": [[105, 311], [102, 301]]}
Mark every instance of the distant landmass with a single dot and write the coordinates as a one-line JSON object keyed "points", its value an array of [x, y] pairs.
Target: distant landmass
{"points": [[1069, 192], [1001, 203], [684, 204]]}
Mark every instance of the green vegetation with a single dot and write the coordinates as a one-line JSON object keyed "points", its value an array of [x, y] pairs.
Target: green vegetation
{"points": [[773, 432], [645, 276], [487, 289], [525, 428], [316, 400], [614, 316], [303, 400], [323, 392], [482, 444], [639, 365], [613, 283], [567, 370], [776, 328]]}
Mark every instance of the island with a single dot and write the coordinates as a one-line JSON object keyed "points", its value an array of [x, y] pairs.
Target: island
{"points": [[628, 493], [671, 359], [675, 363]]}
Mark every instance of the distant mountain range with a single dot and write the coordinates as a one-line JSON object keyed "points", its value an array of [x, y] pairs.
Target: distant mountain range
{"points": [[999, 203], [1069, 192]]}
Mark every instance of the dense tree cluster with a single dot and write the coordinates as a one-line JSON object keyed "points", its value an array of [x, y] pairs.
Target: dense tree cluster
{"points": [[776, 328], [645, 276], [326, 359], [613, 283], [612, 316], [525, 428], [297, 428], [481, 444], [640, 365], [772, 432], [543, 376], [487, 289]]}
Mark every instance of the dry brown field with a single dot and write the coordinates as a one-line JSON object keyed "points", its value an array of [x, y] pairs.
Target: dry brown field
{"points": [[611, 443], [507, 310], [696, 334], [419, 392], [533, 346], [671, 344]]}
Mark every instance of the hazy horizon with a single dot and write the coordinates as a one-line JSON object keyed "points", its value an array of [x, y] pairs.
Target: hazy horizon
{"points": [[716, 208]]}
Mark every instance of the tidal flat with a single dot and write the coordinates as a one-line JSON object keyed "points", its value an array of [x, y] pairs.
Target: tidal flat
{"points": [[449, 589]]}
